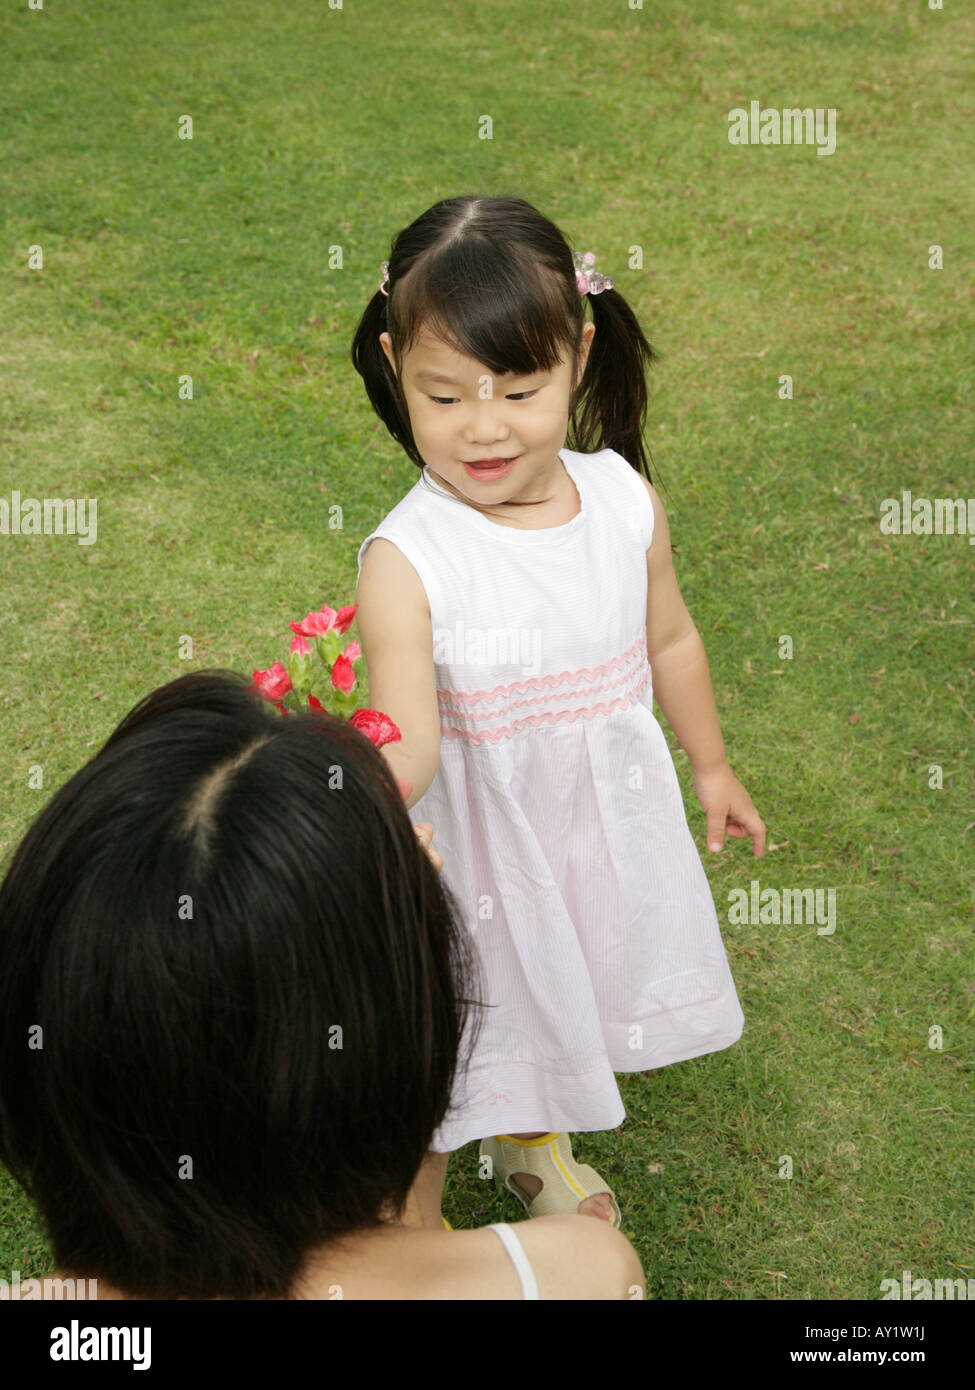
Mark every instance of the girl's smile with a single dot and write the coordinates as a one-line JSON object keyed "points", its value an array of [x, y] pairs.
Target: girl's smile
{"points": [[488, 471], [490, 438]]}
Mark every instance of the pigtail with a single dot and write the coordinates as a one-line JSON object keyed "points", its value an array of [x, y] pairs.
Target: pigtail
{"points": [[611, 404], [378, 376]]}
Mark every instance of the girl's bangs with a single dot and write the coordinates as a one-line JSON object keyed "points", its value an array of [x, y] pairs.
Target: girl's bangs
{"points": [[513, 318]]}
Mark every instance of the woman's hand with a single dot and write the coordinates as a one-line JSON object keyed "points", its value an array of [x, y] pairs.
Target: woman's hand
{"points": [[424, 833], [729, 808]]}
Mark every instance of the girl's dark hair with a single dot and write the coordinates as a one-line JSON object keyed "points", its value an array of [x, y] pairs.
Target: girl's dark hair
{"points": [[496, 279], [183, 930]]}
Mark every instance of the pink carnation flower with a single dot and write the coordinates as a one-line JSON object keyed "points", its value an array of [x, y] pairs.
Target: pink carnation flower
{"points": [[376, 726], [343, 618], [343, 676], [316, 624], [272, 684]]}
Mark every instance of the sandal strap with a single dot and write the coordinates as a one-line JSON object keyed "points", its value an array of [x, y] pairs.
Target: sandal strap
{"points": [[565, 1182]]}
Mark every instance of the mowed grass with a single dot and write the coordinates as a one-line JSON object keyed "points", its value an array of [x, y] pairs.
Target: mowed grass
{"points": [[315, 129]]}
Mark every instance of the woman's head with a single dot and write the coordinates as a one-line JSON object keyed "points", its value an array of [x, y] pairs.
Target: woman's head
{"points": [[490, 284], [231, 992]]}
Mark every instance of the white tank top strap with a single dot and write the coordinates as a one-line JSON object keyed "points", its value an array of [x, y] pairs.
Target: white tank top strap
{"points": [[510, 1241]]}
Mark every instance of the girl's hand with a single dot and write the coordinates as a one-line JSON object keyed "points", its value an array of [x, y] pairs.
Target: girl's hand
{"points": [[729, 809], [424, 833]]}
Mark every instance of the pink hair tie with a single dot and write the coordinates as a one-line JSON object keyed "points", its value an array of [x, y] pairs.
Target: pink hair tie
{"points": [[384, 267], [589, 280]]}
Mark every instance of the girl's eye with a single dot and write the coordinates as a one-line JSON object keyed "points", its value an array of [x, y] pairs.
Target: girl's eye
{"points": [[516, 396]]}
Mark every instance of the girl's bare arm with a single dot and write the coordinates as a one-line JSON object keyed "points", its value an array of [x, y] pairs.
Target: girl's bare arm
{"points": [[682, 687], [397, 643], [681, 679]]}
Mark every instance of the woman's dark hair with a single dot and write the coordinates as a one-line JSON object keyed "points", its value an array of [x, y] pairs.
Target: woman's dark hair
{"points": [[190, 921], [496, 279]]}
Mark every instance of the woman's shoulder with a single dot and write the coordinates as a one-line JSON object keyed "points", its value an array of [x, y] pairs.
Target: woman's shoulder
{"points": [[571, 1257]]}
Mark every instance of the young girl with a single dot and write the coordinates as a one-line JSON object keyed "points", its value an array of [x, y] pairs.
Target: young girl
{"points": [[518, 611]]}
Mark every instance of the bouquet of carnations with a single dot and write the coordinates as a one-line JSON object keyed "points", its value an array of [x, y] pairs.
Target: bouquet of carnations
{"points": [[331, 685]]}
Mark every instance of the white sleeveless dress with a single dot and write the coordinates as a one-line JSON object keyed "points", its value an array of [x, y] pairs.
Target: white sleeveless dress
{"points": [[557, 809]]}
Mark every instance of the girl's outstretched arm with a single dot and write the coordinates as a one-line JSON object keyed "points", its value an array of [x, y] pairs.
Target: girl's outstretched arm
{"points": [[397, 643], [682, 687]]}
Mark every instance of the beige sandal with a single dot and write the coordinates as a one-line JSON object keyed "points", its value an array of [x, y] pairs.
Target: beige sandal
{"points": [[550, 1159]]}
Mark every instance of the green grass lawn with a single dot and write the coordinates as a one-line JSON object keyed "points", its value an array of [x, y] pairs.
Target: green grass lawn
{"points": [[317, 128]]}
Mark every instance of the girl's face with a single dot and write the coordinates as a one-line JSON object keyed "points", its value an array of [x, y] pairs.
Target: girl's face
{"points": [[491, 438]]}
